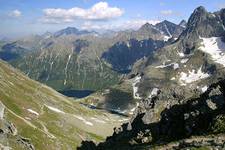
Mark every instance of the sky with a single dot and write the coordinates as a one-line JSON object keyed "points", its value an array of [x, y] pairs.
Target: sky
{"points": [[24, 17]]}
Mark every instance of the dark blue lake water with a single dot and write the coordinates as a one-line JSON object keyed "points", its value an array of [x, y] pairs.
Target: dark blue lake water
{"points": [[76, 93]]}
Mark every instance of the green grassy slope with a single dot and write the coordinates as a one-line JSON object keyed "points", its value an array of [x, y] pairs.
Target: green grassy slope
{"points": [[46, 117]]}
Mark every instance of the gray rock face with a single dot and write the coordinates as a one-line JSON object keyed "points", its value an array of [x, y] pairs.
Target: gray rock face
{"points": [[170, 29], [183, 23], [9, 134], [11, 129], [205, 24]]}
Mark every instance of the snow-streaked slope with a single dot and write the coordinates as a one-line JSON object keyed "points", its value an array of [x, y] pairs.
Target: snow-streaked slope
{"points": [[192, 76], [215, 47]]}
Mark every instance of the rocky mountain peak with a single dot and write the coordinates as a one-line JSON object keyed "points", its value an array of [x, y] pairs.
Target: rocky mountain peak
{"points": [[183, 23], [169, 29], [146, 26], [70, 31], [166, 22], [204, 24], [200, 9], [198, 13]]}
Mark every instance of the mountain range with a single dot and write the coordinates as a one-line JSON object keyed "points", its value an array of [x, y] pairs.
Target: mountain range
{"points": [[72, 59], [178, 92], [166, 82]]}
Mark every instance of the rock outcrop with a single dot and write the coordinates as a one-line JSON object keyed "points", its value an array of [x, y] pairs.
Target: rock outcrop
{"points": [[184, 122]]}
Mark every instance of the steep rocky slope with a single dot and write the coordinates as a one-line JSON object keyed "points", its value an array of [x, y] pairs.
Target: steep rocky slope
{"points": [[183, 68], [34, 116], [176, 91], [193, 123]]}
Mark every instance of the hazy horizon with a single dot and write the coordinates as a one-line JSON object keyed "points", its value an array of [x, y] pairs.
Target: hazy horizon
{"points": [[22, 18]]}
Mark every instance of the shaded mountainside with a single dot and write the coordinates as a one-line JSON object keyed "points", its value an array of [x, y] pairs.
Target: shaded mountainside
{"points": [[34, 116], [123, 55]]}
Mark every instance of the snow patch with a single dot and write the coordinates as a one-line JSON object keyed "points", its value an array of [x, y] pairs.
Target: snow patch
{"points": [[183, 61], [192, 76], [135, 88], [204, 88], [123, 120], [181, 54], [84, 120], [133, 109], [128, 44], [55, 109], [175, 66], [153, 93], [173, 78], [2, 108], [88, 123], [33, 112], [167, 30], [68, 60], [166, 38], [27, 118], [215, 47], [97, 120]]}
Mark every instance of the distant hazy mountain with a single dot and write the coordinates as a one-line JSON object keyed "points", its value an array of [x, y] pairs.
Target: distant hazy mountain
{"points": [[72, 31], [78, 59]]}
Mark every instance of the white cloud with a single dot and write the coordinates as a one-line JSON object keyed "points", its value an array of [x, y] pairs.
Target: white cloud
{"points": [[169, 13], [166, 12], [15, 13], [130, 24], [99, 11], [161, 3], [134, 24]]}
